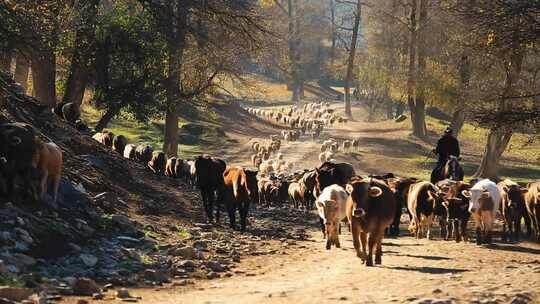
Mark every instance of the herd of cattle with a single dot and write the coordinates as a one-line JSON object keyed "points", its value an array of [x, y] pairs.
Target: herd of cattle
{"points": [[371, 206]]}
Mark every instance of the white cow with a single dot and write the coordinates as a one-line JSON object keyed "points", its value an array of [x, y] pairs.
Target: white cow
{"points": [[331, 205], [485, 200]]}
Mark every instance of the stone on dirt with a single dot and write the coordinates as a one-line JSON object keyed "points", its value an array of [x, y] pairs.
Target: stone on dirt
{"points": [[155, 276], [16, 294], [85, 287], [88, 259]]}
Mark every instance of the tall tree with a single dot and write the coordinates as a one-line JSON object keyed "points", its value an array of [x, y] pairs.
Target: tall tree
{"points": [[418, 109], [22, 69], [82, 52], [352, 55]]}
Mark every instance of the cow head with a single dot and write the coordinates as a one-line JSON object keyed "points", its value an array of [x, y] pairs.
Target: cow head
{"points": [[475, 195], [361, 192]]}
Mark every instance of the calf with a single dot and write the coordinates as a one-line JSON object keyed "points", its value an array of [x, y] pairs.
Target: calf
{"points": [[170, 167], [237, 193], [129, 151], [370, 209], [513, 208], [119, 144], [209, 178], [485, 199], [295, 194], [532, 201], [331, 206], [48, 161], [143, 153], [157, 163], [421, 203], [457, 210]]}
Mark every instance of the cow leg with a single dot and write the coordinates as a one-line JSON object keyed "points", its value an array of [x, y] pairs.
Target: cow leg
{"points": [[243, 215], [429, 221], [372, 246], [516, 224], [506, 226], [378, 249], [443, 224], [356, 240], [364, 243], [323, 227], [328, 239], [56, 186], [337, 232], [478, 235], [449, 230], [527, 219], [231, 209], [43, 185], [457, 230]]}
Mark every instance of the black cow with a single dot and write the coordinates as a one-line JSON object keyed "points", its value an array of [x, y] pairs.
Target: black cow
{"points": [[330, 173], [209, 176], [18, 145], [457, 209]]}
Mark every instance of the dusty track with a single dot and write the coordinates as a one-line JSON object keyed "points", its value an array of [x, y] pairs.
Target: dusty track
{"points": [[412, 270]]}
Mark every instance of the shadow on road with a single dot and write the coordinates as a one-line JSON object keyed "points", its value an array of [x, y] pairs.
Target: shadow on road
{"points": [[430, 270], [425, 257], [513, 248]]}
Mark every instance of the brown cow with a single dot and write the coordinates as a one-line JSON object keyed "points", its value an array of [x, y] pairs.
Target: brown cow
{"points": [[370, 209], [157, 163], [237, 193], [457, 205], [532, 200], [170, 167], [513, 208], [48, 161], [422, 201]]}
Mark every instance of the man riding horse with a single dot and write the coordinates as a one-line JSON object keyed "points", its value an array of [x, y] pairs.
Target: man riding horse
{"points": [[448, 164]]}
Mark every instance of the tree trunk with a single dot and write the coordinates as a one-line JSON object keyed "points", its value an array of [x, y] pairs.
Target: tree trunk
{"points": [[499, 137], [84, 40], [107, 117], [44, 77], [498, 140], [411, 77], [350, 61], [294, 52], [176, 47], [419, 121], [22, 67], [5, 60], [333, 33], [458, 118]]}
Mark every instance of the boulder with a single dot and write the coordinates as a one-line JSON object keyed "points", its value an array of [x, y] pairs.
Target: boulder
{"points": [[88, 259]]}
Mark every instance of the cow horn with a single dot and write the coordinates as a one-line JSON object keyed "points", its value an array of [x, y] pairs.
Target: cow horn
{"points": [[15, 140], [349, 188], [466, 193], [375, 191], [3, 160]]}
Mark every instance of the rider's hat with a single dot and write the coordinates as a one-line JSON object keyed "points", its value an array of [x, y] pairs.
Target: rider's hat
{"points": [[448, 131]]}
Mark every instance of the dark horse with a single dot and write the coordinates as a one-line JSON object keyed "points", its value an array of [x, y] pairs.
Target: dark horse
{"points": [[451, 170]]}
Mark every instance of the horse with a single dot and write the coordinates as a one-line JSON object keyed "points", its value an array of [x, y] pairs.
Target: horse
{"points": [[450, 170]]}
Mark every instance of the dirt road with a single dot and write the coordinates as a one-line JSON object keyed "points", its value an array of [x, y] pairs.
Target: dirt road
{"points": [[413, 271]]}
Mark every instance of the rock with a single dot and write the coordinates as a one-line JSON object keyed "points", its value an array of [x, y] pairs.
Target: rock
{"points": [[180, 283], [121, 220], [212, 275], [85, 287], [123, 294], [187, 252], [82, 301], [13, 269], [70, 281], [437, 290], [187, 264], [88, 259], [16, 294], [98, 296], [155, 276], [200, 245], [215, 266], [128, 239]]}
